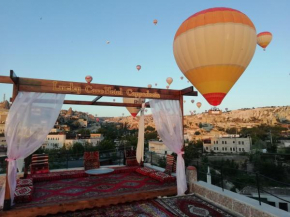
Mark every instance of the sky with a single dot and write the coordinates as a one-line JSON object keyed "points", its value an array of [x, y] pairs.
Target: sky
{"points": [[66, 40]]}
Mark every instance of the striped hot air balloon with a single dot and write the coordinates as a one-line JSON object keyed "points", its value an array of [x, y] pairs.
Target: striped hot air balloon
{"points": [[133, 110], [264, 39], [213, 48]]}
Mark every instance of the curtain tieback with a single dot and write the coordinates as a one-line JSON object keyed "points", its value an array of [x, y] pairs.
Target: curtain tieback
{"points": [[9, 159], [181, 152]]}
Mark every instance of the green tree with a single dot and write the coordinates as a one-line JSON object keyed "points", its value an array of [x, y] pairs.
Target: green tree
{"points": [[200, 125], [78, 148]]}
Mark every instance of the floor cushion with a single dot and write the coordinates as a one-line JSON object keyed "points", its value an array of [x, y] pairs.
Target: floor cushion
{"points": [[162, 177], [145, 171], [24, 182], [131, 162], [46, 177], [23, 194]]}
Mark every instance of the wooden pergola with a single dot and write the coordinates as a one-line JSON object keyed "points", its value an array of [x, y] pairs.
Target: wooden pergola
{"points": [[92, 89]]}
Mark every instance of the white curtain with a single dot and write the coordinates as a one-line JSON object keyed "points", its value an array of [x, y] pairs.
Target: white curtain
{"points": [[140, 145], [167, 117], [29, 120]]}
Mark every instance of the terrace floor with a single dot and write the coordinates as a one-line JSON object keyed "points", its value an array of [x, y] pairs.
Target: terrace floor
{"points": [[115, 194]]}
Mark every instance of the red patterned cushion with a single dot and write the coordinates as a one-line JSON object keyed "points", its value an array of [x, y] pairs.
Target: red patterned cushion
{"points": [[23, 194], [162, 177], [91, 164], [73, 174], [46, 177], [131, 162], [169, 164], [93, 155], [24, 182], [145, 171]]}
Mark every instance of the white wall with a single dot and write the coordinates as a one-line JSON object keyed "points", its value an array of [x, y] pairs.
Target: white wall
{"points": [[228, 145]]}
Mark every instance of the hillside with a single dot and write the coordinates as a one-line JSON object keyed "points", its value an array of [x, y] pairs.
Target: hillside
{"points": [[236, 118]]}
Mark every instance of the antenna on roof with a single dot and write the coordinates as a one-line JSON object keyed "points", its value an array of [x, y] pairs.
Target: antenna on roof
{"points": [[4, 97]]}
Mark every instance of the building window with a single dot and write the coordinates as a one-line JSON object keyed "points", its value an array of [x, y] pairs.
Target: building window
{"points": [[165, 152], [225, 142], [233, 142], [217, 148], [233, 149], [239, 149], [206, 148], [283, 206], [222, 148], [230, 149], [242, 142], [217, 142], [226, 149], [222, 142], [243, 149], [239, 142]]}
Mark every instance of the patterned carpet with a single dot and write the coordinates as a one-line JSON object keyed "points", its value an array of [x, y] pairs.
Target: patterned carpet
{"points": [[191, 206], [147, 208], [91, 187]]}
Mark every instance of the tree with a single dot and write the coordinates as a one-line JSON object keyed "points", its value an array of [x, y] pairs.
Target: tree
{"points": [[78, 148], [232, 130], [106, 145], [200, 125], [196, 133], [149, 128]]}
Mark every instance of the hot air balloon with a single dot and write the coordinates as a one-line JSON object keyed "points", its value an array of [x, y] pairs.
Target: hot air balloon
{"points": [[181, 77], [264, 39], [114, 100], [89, 79], [133, 110], [198, 104], [169, 80], [192, 101], [167, 86], [108, 42], [213, 48], [138, 67], [155, 22], [97, 119], [155, 84], [149, 85]]}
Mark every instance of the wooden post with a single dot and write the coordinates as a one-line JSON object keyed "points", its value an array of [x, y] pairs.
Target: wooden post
{"points": [[15, 80], [7, 198], [182, 113]]}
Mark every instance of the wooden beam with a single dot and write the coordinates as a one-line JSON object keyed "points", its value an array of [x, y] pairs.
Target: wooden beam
{"points": [[65, 87], [96, 99], [189, 91], [5, 80], [14, 77], [76, 102]]}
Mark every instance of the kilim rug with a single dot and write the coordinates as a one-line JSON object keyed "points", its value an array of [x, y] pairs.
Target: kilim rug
{"points": [[147, 208], [67, 190], [191, 206]]}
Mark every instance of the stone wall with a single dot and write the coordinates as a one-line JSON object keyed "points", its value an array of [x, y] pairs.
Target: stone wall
{"points": [[237, 204]]}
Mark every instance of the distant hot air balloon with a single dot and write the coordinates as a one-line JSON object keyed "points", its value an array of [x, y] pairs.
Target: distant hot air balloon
{"points": [[97, 119], [181, 77], [167, 86], [155, 84], [149, 85], [133, 110], [169, 80], [213, 48], [264, 39], [114, 100], [192, 101], [89, 79], [108, 42], [138, 67], [198, 104], [194, 111], [155, 22]]}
